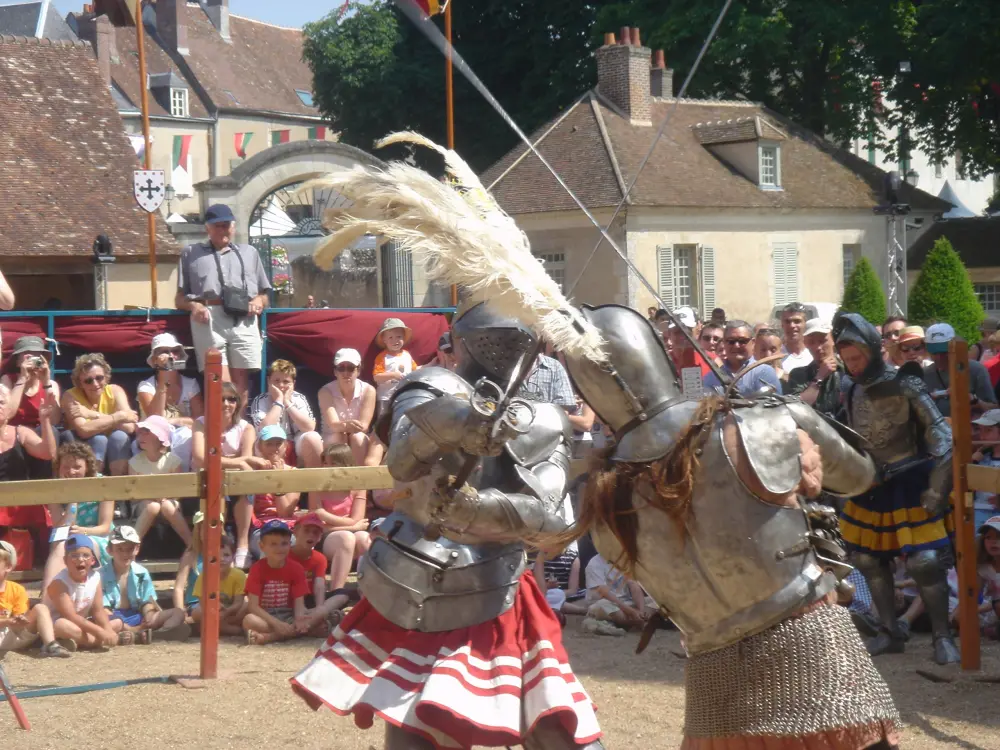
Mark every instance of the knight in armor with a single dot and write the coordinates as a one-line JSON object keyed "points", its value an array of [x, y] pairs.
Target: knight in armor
{"points": [[903, 515], [700, 501], [453, 643]]}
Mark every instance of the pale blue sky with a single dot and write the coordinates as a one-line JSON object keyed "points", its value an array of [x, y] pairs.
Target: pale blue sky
{"points": [[281, 12]]}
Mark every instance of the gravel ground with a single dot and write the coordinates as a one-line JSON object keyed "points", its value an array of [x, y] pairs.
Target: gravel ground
{"points": [[640, 699]]}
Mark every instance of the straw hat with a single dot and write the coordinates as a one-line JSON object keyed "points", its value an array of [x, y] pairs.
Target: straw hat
{"points": [[910, 333], [389, 324]]}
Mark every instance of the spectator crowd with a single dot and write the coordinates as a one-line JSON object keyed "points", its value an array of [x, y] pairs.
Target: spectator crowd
{"points": [[286, 557]]}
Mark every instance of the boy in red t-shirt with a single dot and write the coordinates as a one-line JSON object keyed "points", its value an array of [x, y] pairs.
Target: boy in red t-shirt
{"points": [[308, 533], [276, 588]]}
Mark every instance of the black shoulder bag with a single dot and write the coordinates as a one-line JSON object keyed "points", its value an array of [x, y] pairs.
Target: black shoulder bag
{"points": [[235, 300]]}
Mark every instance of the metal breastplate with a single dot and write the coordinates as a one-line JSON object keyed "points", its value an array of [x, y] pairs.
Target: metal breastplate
{"points": [[881, 414], [741, 566], [437, 585]]}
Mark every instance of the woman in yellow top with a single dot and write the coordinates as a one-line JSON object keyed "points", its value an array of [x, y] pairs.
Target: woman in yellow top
{"points": [[98, 413]]}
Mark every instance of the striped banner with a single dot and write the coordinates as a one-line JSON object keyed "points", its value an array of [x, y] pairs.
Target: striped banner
{"points": [[317, 133], [280, 136], [182, 147], [241, 141]]}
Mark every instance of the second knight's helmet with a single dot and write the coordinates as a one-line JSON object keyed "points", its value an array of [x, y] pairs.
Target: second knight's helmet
{"points": [[489, 344], [852, 329], [632, 392]]}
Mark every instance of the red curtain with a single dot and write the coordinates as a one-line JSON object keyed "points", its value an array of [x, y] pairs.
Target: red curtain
{"points": [[311, 337], [12, 330], [114, 335]]}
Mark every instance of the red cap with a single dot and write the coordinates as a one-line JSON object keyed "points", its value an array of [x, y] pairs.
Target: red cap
{"points": [[310, 519]]}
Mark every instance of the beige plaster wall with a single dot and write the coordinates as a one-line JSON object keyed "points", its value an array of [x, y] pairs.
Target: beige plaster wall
{"points": [[162, 149], [128, 284], [261, 128]]}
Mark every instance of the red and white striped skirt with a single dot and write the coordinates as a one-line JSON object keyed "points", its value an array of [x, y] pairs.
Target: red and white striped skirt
{"points": [[488, 684]]}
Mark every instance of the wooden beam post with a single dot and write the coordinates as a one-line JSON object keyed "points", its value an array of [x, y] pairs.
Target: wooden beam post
{"points": [[963, 511], [211, 506]]}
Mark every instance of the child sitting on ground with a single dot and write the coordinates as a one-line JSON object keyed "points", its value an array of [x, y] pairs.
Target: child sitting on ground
{"points": [[153, 436], [130, 599], [343, 516], [232, 597], [19, 627], [308, 532], [75, 461], [276, 589], [613, 597], [393, 363], [76, 600], [988, 568]]}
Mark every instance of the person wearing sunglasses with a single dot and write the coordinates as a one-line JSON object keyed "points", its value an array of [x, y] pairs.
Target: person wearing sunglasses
{"points": [[711, 338], [738, 345], [347, 405], [891, 329], [909, 347], [98, 413]]}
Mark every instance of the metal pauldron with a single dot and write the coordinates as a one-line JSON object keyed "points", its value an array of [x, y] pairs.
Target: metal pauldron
{"points": [[417, 593]]}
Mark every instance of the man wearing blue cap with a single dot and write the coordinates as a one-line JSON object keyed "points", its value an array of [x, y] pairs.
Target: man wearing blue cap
{"points": [[224, 286]]}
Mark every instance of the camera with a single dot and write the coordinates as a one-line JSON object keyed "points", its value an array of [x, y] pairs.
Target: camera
{"points": [[36, 363]]}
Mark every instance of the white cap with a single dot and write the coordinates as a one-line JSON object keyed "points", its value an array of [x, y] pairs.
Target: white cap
{"points": [[685, 315], [993, 522], [989, 418], [817, 325], [347, 355], [937, 337]]}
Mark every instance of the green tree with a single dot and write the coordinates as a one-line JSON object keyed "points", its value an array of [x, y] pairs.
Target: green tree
{"points": [[374, 72], [836, 68], [863, 294], [944, 293]]}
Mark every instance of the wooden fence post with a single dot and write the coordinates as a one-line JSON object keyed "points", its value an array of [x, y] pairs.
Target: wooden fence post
{"points": [[963, 511], [212, 508]]}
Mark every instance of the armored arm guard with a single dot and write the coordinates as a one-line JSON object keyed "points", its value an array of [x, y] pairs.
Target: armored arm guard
{"points": [[937, 442], [847, 470], [425, 421]]}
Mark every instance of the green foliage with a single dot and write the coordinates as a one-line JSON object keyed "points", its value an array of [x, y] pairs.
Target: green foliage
{"points": [[863, 294], [824, 64], [944, 293], [374, 72]]}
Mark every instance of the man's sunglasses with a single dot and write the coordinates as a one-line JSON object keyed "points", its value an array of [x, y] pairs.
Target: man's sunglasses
{"points": [[890, 335], [712, 339], [94, 379], [738, 342], [911, 349]]}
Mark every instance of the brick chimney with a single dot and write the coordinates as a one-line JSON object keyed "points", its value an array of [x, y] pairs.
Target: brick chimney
{"points": [[661, 78], [623, 74], [104, 45], [171, 24], [218, 12]]}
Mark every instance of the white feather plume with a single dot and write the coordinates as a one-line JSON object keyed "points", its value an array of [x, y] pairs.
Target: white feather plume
{"points": [[460, 235]]}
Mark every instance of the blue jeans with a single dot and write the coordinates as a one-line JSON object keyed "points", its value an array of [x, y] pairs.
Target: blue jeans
{"points": [[110, 448]]}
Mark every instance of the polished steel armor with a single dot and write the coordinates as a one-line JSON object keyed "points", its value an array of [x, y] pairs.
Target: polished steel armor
{"points": [[468, 573]]}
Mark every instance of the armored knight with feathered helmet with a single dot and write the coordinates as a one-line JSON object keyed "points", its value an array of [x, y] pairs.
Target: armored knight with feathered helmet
{"points": [[453, 643], [701, 502], [903, 514]]}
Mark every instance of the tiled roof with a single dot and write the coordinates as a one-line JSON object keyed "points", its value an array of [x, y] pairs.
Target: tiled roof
{"points": [[681, 172], [262, 67], [976, 241], [725, 131], [22, 20], [65, 162]]}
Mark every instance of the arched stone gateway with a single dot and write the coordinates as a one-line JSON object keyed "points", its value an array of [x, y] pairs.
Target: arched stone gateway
{"points": [[285, 164]]}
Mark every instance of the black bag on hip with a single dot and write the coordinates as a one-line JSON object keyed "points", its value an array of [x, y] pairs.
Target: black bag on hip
{"points": [[235, 300]]}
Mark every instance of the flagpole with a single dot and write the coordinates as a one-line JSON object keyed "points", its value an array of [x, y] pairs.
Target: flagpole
{"points": [[144, 100], [449, 104]]}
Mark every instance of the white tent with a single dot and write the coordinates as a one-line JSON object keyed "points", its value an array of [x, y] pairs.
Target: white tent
{"points": [[958, 210]]}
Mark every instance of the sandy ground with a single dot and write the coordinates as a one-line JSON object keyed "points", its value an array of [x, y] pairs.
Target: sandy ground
{"points": [[640, 699]]}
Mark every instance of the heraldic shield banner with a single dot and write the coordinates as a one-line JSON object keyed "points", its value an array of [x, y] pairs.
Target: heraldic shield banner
{"points": [[149, 188]]}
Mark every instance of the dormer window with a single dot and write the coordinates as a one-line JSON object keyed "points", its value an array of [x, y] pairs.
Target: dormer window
{"points": [[179, 102], [305, 97], [770, 167]]}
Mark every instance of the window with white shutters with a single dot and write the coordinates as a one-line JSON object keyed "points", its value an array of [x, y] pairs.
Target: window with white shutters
{"points": [[785, 272], [707, 272], [555, 267], [665, 273], [685, 275]]}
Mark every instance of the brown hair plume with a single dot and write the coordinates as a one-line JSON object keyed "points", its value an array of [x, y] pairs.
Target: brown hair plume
{"points": [[607, 499]]}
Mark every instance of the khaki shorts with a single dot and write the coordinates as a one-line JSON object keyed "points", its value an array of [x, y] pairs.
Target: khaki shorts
{"points": [[603, 609], [15, 640], [237, 338]]}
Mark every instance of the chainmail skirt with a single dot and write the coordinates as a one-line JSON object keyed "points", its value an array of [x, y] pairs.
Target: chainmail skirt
{"points": [[805, 684]]}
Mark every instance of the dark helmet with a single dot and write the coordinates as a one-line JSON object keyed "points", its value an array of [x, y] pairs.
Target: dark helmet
{"points": [[489, 344], [850, 329]]}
